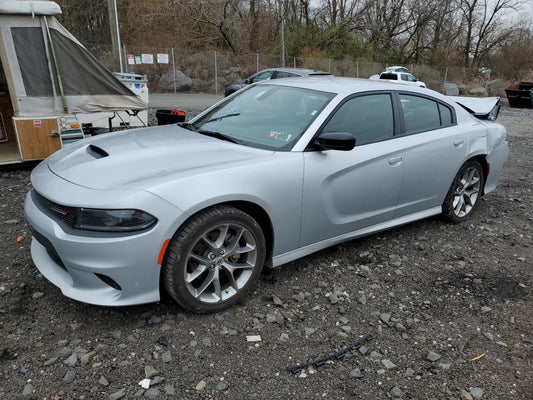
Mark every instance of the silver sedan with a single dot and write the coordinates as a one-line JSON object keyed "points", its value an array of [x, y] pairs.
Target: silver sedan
{"points": [[272, 173]]}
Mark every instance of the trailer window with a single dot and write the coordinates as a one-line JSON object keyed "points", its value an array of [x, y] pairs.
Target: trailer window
{"points": [[33, 62], [81, 72]]}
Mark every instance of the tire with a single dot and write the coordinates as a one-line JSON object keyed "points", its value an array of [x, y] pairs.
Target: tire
{"points": [[465, 192], [214, 259]]}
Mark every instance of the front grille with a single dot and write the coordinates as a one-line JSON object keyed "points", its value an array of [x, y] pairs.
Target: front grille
{"points": [[57, 211]]}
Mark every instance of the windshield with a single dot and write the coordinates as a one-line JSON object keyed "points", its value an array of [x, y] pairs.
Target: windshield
{"points": [[266, 116]]}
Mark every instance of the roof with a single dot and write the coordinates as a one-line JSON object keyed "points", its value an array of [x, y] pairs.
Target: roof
{"points": [[302, 71], [344, 86], [21, 7]]}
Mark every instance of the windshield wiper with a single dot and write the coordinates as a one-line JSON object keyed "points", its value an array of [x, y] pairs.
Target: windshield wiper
{"points": [[188, 126], [219, 118], [218, 135]]}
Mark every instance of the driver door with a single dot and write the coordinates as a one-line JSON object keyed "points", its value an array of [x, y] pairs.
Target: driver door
{"points": [[345, 191]]}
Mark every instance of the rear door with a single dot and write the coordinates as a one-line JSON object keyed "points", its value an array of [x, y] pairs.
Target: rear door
{"points": [[435, 146]]}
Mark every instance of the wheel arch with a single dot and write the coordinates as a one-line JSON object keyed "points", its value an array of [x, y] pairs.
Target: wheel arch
{"points": [[263, 219], [257, 212]]}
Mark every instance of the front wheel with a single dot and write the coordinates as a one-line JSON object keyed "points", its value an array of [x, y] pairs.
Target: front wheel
{"points": [[214, 259], [464, 193]]}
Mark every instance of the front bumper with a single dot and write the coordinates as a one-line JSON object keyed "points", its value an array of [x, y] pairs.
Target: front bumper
{"points": [[102, 268]]}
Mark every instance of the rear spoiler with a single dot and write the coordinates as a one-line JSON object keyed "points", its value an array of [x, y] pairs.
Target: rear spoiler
{"points": [[482, 108]]}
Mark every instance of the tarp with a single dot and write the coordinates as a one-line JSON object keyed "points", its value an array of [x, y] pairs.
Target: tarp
{"points": [[27, 56]]}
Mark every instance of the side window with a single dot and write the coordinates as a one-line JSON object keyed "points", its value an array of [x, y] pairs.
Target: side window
{"points": [[445, 115], [405, 77], [411, 78], [369, 118], [265, 76], [420, 114], [284, 74]]}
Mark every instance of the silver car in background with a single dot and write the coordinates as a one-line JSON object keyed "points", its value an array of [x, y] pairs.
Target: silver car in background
{"points": [[278, 171]]}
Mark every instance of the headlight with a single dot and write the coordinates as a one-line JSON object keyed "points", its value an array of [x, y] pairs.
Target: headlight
{"points": [[112, 220]]}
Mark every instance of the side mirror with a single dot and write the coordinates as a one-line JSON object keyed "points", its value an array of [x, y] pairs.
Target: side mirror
{"points": [[342, 141]]}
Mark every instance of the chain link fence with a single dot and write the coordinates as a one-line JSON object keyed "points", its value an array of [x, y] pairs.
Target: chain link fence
{"points": [[177, 70]]}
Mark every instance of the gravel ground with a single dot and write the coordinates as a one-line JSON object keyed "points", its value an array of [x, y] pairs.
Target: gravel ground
{"points": [[450, 308]]}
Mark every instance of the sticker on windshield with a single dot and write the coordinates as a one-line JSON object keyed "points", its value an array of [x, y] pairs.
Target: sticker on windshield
{"points": [[280, 135]]}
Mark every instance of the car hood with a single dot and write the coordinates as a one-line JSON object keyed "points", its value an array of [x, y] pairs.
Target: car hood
{"points": [[141, 157]]}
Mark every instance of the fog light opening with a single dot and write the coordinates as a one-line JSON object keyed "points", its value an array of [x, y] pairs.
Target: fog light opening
{"points": [[108, 281]]}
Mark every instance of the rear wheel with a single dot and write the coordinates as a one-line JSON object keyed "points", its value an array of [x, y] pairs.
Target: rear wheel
{"points": [[214, 259], [464, 193]]}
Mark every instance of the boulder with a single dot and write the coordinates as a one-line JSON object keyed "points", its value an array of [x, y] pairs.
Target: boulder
{"points": [[479, 91], [451, 89], [166, 82]]}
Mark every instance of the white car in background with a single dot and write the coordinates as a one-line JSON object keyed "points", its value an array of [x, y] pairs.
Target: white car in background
{"points": [[400, 75]]}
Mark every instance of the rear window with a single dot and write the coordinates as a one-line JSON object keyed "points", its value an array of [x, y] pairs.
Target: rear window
{"points": [[420, 114], [387, 75]]}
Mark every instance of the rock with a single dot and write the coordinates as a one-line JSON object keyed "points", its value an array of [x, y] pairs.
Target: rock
{"points": [[381, 371], [69, 377], [400, 328], [396, 392], [480, 91], [274, 318], [445, 366], [221, 386], [309, 331], [451, 89], [206, 342], [150, 371], [117, 395], [166, 356], [87, 358], [333, 298], [488, 335], [201, 386], [28, 389], [388, 364], [169, 390], [485, 309], [356, 374], [166, 82], [103, 381], [363, 350], [385, 318], [284, 337], [157, 380], [50, 361], [476, 392], [362, 299], [374, 355], [465, 395], [432, 356], [37, 295], [277, 301], [72, 360], [409, 372], [152, 393]]}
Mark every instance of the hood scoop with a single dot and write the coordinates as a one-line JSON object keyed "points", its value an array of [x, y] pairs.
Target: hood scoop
{"points": [[96, 152]]}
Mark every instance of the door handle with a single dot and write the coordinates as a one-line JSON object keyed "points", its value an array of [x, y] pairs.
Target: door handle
{"points": [[394, 161], [459, 143]]}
